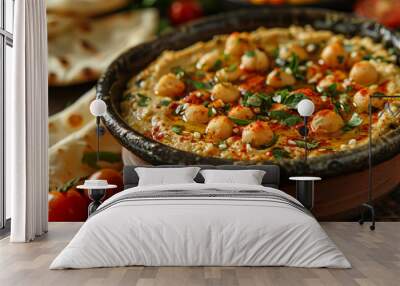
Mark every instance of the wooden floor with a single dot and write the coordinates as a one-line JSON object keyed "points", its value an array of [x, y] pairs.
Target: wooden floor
{"points": [[375, 257]]}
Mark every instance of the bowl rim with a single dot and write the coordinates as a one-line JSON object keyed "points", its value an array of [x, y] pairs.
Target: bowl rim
{"points": [[154, 152]]}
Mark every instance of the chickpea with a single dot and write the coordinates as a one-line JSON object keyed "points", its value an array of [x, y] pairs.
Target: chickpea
{"points": [[219, 128], [196, 113], [226, 92], [255, 60], [280, 78], [241, 112], [334, 55], [236, 45], [228, 74], [326, 121], [207, 61], [286, 52], [257, 134], [170, 86], [361, 101], [364, 73]]}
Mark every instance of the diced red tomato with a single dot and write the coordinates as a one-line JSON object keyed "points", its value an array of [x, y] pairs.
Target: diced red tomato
{"points": [[182, 11], [386, 12]]}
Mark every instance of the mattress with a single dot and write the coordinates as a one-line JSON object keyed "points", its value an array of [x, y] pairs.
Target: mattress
{"points": [[201, 225]]}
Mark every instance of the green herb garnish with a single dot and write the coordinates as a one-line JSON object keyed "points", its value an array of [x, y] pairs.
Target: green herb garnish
{"points": [[241, 122], [354, 121], [284, 117], [143, 100], [310, 145], [177, 129], [280, 153], [165, 102], [200, 85], [217, 65], [179, 72], [250, 53]]}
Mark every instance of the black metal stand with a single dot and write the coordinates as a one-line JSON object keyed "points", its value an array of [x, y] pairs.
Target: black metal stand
{"points": [[305, 193], [369, 206], [96, 195]]}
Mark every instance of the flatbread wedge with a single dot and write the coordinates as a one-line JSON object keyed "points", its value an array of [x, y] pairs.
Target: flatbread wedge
{"points": [[84, 7], [71, 119], [81, 51], [75, 156]]}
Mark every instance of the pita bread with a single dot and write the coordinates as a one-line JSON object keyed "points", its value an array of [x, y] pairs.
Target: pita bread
{"points": [[71, 119], [83, 49], [84, 7], [75, 155]]}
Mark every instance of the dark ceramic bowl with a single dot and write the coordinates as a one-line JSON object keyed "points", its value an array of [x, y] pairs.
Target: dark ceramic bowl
{"points": [[112, 84]]}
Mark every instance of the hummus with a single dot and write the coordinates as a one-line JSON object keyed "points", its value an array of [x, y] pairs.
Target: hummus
{"points": [[236, 96]]}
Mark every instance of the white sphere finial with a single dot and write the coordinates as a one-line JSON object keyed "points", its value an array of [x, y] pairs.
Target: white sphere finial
{"points": [[305, 107], [98, 107]]}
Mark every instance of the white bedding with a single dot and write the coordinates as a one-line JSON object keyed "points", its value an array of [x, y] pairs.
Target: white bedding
{"points": [[200, 231]]}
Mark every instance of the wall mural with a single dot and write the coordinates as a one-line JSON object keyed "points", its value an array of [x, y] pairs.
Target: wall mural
{"points": [[232, 99]]}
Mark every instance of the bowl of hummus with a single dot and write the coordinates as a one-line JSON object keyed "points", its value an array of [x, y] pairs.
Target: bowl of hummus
{"points": [[224, 90]]}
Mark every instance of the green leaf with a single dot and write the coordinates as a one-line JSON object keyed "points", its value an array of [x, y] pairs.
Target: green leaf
{"points": [[280, 95], [285, 117], [231, 68], [165, 102], [280, 153], [293, 99], [179, 72], [250, 53], [90, 158], [310, 145], [254, 100], [200, 85], [217, 65], [354, 121], [241, 122], [143, 100], [211, 111], [177, 129]]}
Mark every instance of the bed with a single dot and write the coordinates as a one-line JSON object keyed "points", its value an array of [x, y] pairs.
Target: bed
{"points": [[201, 224]]}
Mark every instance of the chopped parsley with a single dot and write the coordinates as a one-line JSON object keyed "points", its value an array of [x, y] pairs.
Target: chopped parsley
{"points": [[200, 85], [179, 72], [165, 102], [142, 100], [250, 54], [232, 68], [217, 65], [241, 122], [285, 118], [177, 129], [354, 121], [310, 145], [280, 153]]}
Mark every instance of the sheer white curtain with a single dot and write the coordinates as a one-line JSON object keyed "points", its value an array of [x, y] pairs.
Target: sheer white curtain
{"points": [[26, 123]]}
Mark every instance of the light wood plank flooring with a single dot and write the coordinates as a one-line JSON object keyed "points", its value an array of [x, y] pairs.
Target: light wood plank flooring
{"points": [[375, 257]]}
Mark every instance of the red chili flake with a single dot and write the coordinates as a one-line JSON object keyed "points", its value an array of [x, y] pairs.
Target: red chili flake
{"points": [[253, 82], [383, 87]]}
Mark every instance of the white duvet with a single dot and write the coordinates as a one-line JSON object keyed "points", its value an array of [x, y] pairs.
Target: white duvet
{"points": [[200, 231]]}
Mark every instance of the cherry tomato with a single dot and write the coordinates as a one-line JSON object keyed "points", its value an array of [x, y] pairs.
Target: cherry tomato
{"points": [[386, 12], [113, 177], [71, 205], [182, 11]]}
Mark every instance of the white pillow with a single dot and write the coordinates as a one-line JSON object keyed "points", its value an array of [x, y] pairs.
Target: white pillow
{"points": [[248, 177], [165, 176]]}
